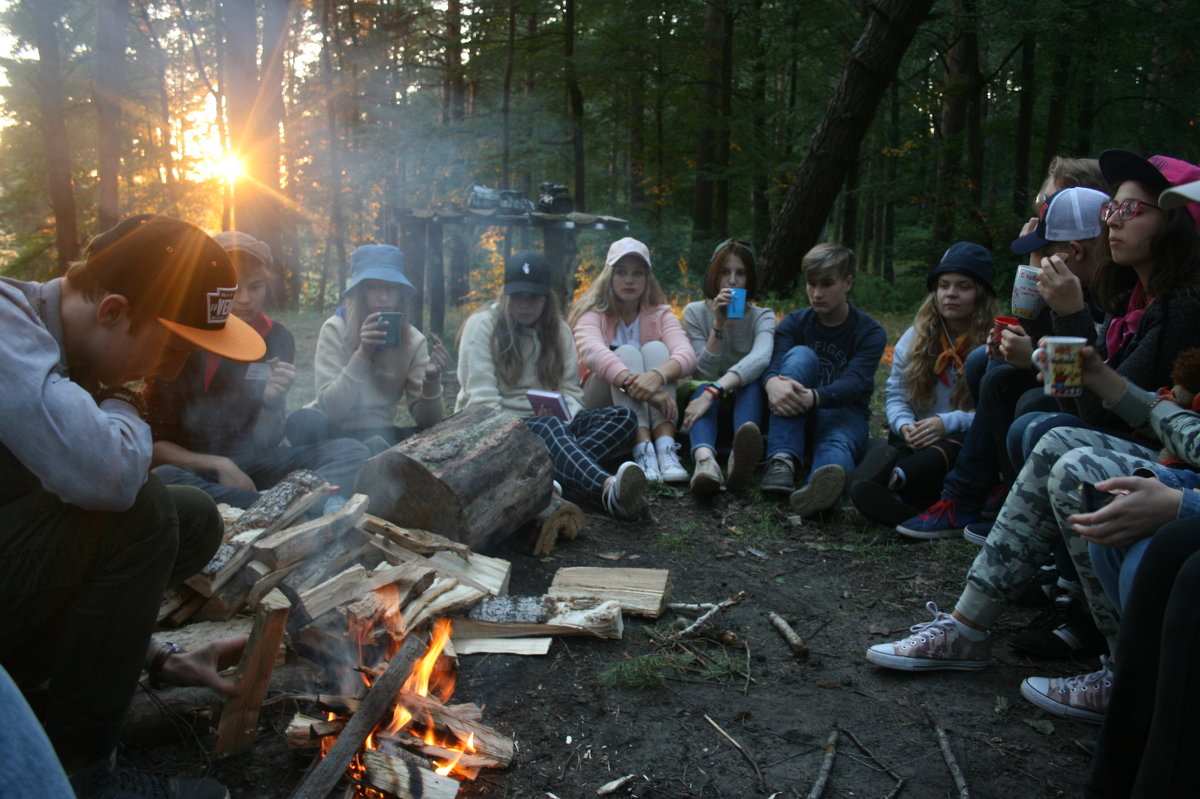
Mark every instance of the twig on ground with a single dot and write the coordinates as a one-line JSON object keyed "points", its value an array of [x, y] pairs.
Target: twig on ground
{"points": [[691, 628], [690, 607], [960, 781], [790, 636], [746, 687], [896, 791], [826, 765], [762, 785], [888, 770]]}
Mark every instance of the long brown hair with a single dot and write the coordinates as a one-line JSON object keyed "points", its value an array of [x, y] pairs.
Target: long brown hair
{"points": [[506, 351], [928, 328], [1175, 251], [600, 297]]}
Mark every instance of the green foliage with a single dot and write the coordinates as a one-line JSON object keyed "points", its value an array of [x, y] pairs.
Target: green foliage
{"points": [[654, 670]]}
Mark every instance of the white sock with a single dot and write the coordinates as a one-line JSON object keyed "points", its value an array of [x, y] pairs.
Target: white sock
{"points": [[970, 633], [666, 443], [641, 448]]}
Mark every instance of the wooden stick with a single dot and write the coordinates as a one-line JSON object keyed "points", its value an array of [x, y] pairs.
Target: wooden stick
{"points": [[888, 770], [896, 791], [375, 705], [762, 785], [826, 765], [239, 719], [691, 628], [960, 781], [790, 636]]}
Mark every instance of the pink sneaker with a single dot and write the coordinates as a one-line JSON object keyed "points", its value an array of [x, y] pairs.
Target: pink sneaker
{"points": [[1083, 697], [934, 645]]}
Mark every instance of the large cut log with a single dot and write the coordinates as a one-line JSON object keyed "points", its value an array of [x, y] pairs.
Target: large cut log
{"points": [[516, 617], [643, 592], [559, 521], [239, 720], [475, 478], [320, 781]]}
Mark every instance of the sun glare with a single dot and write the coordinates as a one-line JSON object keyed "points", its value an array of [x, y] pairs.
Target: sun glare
{"points": [[229, 167]]}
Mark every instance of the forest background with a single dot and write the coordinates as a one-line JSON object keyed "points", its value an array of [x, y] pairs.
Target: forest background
{"points": [[896, 127]]}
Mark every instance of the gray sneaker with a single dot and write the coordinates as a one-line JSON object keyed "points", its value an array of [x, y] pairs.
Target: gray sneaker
{"points": [[1083, 697], [625, 497], [706, 477], [824, 491], [747, 449], [780, 476], [934, 645]]}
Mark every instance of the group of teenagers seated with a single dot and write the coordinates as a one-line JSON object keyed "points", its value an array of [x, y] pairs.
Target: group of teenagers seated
{"points": [[975, 446], [1077, 487]]}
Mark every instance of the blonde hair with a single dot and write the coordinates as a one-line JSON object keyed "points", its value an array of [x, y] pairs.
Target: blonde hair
{"points": [[600, 297], [928, 328], [506, 352]]}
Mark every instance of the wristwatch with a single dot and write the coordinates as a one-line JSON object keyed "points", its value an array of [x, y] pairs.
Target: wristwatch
{"points": [[126, 395]]}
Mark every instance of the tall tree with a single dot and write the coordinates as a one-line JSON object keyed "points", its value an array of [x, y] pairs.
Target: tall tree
{"points": [[112, 21], [868, 69], [45, 15], [575, 105]]}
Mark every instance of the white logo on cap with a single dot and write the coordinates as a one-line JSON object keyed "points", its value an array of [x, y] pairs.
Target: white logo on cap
{"points": [[220, 304], [525, 267]]}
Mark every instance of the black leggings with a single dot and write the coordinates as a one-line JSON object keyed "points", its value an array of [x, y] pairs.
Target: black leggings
{"points": [[925, 469], [1150, 734]]}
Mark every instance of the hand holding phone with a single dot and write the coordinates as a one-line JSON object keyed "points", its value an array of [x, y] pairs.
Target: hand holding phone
{"points": [[1093, 498]]}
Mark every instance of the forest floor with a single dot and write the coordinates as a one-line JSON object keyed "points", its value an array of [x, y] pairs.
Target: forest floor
{"points": [[592, 711]]}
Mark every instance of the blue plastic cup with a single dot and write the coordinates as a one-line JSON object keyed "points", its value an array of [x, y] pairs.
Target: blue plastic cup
{"points": [[736, 308]]}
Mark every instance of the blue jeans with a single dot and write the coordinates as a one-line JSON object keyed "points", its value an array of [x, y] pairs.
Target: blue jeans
{"points": [[982, 462], [973, 369], [827, 435], [29, 769], [748, 403], [1115, 568], [337, 460], [1029, 428]]}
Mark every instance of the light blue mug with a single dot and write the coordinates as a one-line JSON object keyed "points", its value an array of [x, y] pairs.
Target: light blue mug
{"points": [[736, 308]]}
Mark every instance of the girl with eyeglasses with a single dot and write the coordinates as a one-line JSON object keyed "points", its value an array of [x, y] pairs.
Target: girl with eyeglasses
{"points": [[731, 355], [1149, 289]]}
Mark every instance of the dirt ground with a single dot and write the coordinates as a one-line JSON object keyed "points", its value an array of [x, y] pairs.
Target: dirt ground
{"points": [[592, 711]]}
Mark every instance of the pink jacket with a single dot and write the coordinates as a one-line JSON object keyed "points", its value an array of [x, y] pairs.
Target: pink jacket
{"points": [[594, 331]]}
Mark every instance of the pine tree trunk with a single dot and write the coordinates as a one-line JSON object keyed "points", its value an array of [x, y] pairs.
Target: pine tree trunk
{"points": [[112, 20]]}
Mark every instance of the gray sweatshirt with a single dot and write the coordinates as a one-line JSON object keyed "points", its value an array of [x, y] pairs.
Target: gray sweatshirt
{"points": [[52, 433]]}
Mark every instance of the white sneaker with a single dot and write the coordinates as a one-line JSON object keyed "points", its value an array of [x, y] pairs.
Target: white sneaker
{"points": [[647, 461], [624, 496], [669, 466], [1083, 697]]}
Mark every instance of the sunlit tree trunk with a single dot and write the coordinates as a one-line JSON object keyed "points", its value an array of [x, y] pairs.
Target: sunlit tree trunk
{"points": [[112, 19], [868, 69], [264, 168], [45, 14]]}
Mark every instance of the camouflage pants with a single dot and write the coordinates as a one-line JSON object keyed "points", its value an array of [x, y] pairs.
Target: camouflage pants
{"points": [[1034, 517]]}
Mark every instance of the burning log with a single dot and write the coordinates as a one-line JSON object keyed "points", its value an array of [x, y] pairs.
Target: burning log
{"points": [[285, 547], [490, 748], [239, 720], [306, 733], [559, 521], [397, 776], [515, 617], [475, 477], [318, 783], [640, 591]]}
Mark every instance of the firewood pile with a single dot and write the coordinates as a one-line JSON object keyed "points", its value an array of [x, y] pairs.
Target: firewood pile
{"points": [[374, 602]]}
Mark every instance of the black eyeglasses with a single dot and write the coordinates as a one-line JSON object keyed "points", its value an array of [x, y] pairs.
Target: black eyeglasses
{"points": [[1125, 210]]}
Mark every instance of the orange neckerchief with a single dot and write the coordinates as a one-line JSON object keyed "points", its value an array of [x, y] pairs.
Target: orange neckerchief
{"points": [[951, 356], [261, 323]]}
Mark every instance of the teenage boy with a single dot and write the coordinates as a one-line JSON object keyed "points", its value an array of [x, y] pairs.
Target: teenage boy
{"points": [[819, 385], [218, 425], [88, 544], [1066, 246]]}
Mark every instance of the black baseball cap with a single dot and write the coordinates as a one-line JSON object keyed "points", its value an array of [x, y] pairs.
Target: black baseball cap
{"points": [[527, 272]]}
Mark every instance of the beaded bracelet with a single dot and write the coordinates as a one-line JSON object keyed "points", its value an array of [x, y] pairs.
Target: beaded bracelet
{"points": [[166, 649]]}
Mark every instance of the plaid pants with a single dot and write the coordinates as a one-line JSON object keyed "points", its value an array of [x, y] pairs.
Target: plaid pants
{"points": [[1034, 518], [578, 448]]}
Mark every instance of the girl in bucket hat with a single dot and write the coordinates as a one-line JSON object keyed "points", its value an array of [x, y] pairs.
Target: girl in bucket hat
{"points": [[632, 352], [362, 380], [521, 343]]}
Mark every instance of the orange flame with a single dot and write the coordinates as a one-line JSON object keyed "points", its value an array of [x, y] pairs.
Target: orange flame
{"points": [[444, 769]]}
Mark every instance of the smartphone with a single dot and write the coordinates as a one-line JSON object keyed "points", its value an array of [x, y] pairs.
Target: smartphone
{"points": [[392, 322], [1093, 498]]}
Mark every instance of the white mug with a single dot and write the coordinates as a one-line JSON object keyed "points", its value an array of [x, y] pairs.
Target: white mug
{"points": [[1062, 373], [1027, 301]]}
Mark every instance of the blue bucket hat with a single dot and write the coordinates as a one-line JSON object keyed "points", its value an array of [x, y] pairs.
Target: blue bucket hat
{"points": [[377, 262]]}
